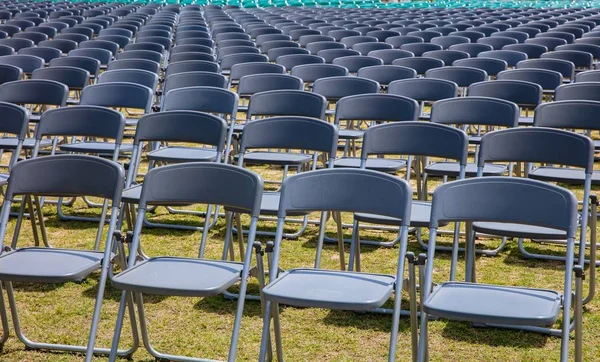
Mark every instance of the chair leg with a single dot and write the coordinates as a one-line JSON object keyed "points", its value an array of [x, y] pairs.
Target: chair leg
{"points": [[579, 276], [398, 295], [260, 253], [338, 220], [593, 248], [412, 295], [4, 316]]}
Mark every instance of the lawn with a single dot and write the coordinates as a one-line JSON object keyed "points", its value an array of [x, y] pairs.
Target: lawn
{"points": [[201, 327]]}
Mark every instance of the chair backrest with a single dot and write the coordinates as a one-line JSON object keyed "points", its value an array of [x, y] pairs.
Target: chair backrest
{"points": [[112, 47], [45, 53], [215, 184], [550, 43], [588, 76], [88, 121], [27, 63], [462, 76], [141, 54], [376, 107], [334, 88], [89, 64], [290, 132], [102, 55], [182, 126], [564, 67], [419, 48], [203, 99], [398, 41], [137, 76], [547, 79], [484, 199], [385, 74], [72, 77], [419, 64], [311, 72], [424, 89], [525, 94], [194, 79], [328, 190], [287, 103], [417, 139], [9, 73], [537, 145], [118, 94], [578, 91], [256, 83], [581, 59], [15, 120], [568, 114], [191, 66], [475, 111], [533, 51], [35, 91], [88, 176]]}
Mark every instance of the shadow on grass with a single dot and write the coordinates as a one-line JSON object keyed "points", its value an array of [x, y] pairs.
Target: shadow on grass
{"points": [[365, 321], [223, 306], [465, 332], [114, 294]]}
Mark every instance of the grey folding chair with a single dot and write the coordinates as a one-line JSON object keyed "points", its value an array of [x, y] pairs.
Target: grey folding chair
{"points": [[484, 199], [287, 148], [15, 122], [37, 95], [424, 90], [327, 190], [45, 176], [219, 184], [183, 136], [74, 78]]}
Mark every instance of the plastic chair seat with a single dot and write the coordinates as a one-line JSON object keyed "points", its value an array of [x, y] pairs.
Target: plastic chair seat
{"points": [[420, 216], [183, 154], [483, 303], [95, 147], [48, 265], [351, 134], [377, 164], [519, 231], [277, 158], [330, 289], [453, 168], [10, 143], [179, 277], [572, 176], [269, 205], [525, 121]]}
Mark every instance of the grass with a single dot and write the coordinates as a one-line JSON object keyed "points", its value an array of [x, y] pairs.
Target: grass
{"points": [[201, 327]]}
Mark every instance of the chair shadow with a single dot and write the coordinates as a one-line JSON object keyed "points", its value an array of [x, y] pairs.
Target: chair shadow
{"points": [[466, 332], [366, 320], [35, 287], [220, 305], [114, 294]]}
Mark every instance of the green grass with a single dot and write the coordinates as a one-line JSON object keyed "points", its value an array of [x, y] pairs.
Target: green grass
{"points": [[201, 327]]}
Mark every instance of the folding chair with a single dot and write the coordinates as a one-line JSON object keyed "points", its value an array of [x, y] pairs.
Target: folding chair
{"points": [[135, 76], [44, 176], [484, 199], [419, 48], [549, 80], [15, 123], [386, 74], [9, 73], [473, 49], [398, 41], [36, 95], [335, 88], [226, 185], [326, 190], [45, 53], [447, 41], [74, 78], [550, 43], [424, 90], [27, 63], [191, 66], [86, 63]]}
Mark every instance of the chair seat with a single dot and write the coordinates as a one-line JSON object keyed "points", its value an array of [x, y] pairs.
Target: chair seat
{"points": [[10, 143], [269, 205], [351, 134], [276, 158], [95, 147], [483, 303], [179, 277], [330, 289], [420, 216], [519, 231], [132, 122], [596, 144], [48, 265], [525, 121], [573, 176], [377, 164], [132, 194], [183, 154], [452, 169], [475, 140]]}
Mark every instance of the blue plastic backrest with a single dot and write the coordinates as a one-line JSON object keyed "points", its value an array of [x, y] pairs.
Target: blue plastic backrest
{"points": [[572, 114], [72, 77], [334, 88], [344, 190], [118, 94], [287, 102], [589, 91], [34, 91], [87, 176], [538, 145], [256, 83], [376, 107], [416, 138], [531, 202], [290, 132], [517, 91], [462, 76], [547, 79], [181, 126], [202, 182], [242, 69], [90, 121], [476, 111], [424, 89], [137, 76], [204, 99], [15, 120], [194, 79]]}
